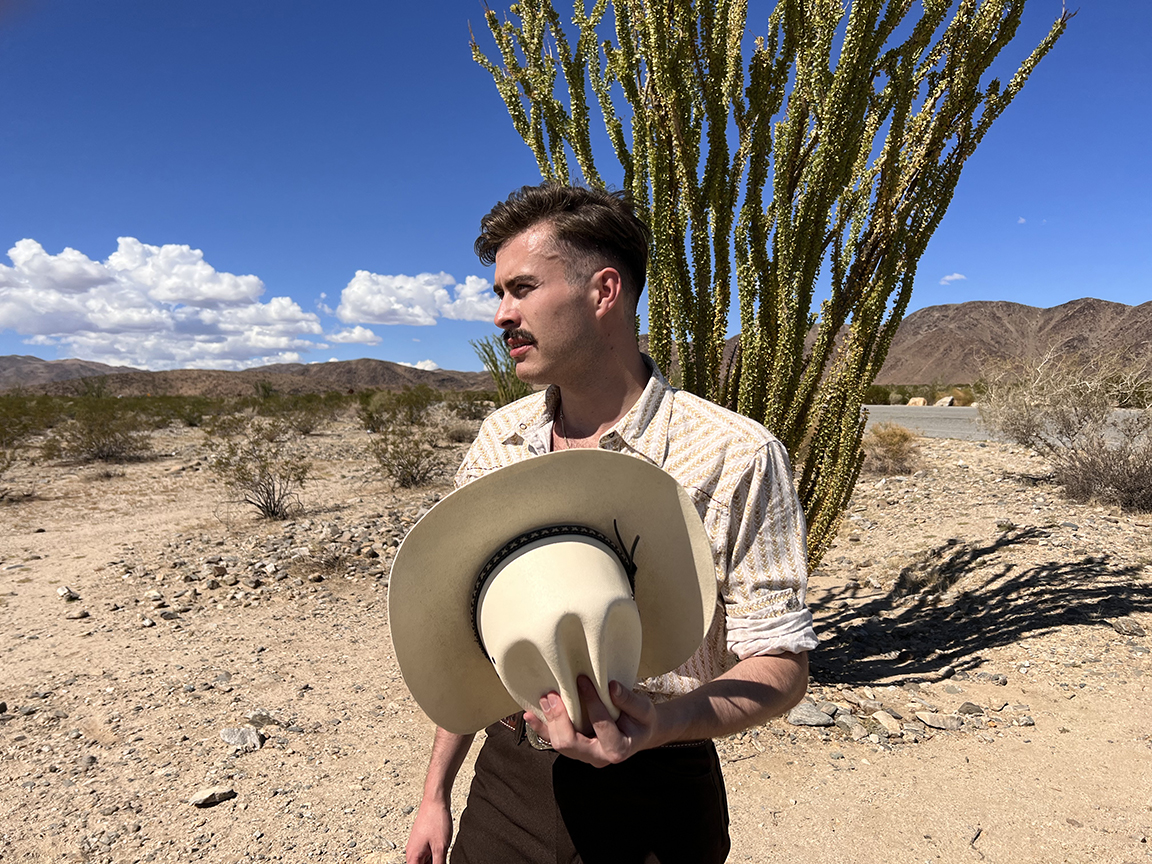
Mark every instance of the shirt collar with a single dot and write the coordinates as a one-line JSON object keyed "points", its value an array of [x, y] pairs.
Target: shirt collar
{"points": [[643, 430]]}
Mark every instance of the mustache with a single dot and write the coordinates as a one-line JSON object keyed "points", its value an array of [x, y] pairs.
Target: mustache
{"points": [[520, 335]]}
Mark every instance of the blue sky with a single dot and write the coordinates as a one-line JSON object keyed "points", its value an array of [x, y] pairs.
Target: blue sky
{"points": [[287, 176]]}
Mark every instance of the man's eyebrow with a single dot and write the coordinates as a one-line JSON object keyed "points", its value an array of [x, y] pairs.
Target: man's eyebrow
{"points": [[522, 279]]}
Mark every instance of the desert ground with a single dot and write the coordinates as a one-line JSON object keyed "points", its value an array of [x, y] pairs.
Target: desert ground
{"points": [[999, 629]]}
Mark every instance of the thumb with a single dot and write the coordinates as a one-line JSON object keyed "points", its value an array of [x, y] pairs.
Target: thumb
{"points": [[627, 701]]}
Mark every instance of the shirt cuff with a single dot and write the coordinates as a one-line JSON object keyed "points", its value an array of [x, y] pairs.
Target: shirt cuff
{"points": [[756, 637]]}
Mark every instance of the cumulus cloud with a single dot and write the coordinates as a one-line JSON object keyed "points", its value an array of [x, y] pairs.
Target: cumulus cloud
{"points": [[154, 306], [1021, 221], [354, 336], [372, 298], [426, 365], [953, 277]]}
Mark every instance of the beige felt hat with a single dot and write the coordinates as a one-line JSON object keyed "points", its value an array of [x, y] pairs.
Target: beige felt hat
{"points": [[523, 580]]}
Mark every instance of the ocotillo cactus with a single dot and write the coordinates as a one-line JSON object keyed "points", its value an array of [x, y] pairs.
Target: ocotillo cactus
{"points": [[832, 144]]}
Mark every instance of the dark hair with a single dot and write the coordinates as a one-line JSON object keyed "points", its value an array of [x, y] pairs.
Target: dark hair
{"points": [[596, 226]]}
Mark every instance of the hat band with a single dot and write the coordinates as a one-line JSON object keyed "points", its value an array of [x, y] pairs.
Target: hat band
{"points": [[627, 561]]}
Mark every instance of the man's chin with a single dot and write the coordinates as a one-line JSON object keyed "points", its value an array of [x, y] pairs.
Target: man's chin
{"points": [[528, 373]]}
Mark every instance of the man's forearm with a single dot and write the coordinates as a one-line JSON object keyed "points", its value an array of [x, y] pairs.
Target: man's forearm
{"points": [[448, 752], [748, 694]]}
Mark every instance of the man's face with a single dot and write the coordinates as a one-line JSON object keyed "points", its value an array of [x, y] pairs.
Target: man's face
{"points": [[548, 323]]}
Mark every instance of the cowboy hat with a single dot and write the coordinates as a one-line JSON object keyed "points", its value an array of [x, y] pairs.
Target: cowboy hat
{"points": [[575, 562]]}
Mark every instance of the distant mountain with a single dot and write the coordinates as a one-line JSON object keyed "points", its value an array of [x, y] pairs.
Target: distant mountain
{"points": [[948, 344], [21, 370], [43, 376], [938, 344]]}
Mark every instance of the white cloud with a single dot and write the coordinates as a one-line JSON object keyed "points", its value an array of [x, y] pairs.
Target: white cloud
{"points": [[355, 336], [372, 298], [426, 365], [1021, 221], [153, 306], [953, 277]]}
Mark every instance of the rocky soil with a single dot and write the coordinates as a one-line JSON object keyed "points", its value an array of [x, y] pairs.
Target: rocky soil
{"points": [[981, 691]]}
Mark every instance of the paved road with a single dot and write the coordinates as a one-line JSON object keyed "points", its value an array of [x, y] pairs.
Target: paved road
{"points": [[932, 422]]}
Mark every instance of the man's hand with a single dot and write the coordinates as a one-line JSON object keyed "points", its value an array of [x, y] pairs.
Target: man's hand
{"points": [[636, 729], [748, 694], [431, 834]]}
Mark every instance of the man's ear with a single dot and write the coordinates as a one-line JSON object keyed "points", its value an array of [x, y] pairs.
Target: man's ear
{"points": [[609, 287]]}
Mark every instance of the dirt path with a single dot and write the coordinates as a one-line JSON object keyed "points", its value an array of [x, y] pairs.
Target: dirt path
{"points": [[971, 583]]}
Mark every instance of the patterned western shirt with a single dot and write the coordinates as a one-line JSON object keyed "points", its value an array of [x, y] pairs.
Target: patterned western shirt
{"points": [[739, 477]]}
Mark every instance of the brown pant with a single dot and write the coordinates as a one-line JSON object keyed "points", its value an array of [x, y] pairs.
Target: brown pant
{"points": [[666, 805]]}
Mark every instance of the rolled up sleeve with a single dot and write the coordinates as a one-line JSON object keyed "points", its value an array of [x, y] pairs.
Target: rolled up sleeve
{"points": [[767, 562]]}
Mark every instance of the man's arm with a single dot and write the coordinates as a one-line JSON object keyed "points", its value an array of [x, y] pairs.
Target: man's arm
{"points": [[432, 830], [749, 693]]}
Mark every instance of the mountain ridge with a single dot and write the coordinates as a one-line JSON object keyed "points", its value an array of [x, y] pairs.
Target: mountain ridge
{"points": [[944, 344]]}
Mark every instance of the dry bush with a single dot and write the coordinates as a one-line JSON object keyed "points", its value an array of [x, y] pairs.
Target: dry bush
{"points": [[99, 431], [407, 456], [1090, 417], [262, 466], [386, 408], [460, 433], [470, 404], [890, 448]]}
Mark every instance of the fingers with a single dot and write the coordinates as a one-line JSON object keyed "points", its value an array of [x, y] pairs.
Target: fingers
{"points": [[603, 725], [558, 727]]}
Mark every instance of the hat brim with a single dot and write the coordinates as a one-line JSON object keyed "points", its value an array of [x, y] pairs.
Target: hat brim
{"points": [[435, 570]]}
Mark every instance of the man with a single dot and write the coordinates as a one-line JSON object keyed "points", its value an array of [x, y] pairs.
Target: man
{"points": [[570, 266]]}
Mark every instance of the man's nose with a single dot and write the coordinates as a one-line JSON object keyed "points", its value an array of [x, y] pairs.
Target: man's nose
{"points": [[507, 315]]}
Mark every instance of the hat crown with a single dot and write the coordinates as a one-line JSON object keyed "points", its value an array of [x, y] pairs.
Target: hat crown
{"points": [[555, 609]]}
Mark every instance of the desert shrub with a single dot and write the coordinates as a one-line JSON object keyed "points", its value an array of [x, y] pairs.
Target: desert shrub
{"points": [[92, 387], [890, 448], [227, 425], [408, 457], [1066, 409], [469, 404], [24, 415], [262, 466], [895, 398], [304, 414], [460, 433], [189, 411], [386, 408], [264, 390], [100, 430], [370, 412]]}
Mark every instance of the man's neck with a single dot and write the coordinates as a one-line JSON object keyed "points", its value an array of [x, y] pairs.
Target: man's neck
{"points": [[595, 403]]}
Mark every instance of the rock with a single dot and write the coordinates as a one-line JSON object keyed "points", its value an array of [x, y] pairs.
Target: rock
{"points": [[940, 721], [77, 615], [212, 795], [889, 723], [1128, 627], [807, 714], [969, 708], [67, 594], [917, 401], [828, 708], [145, 621], [1025, 720], [946, 402], [244, 738]]}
